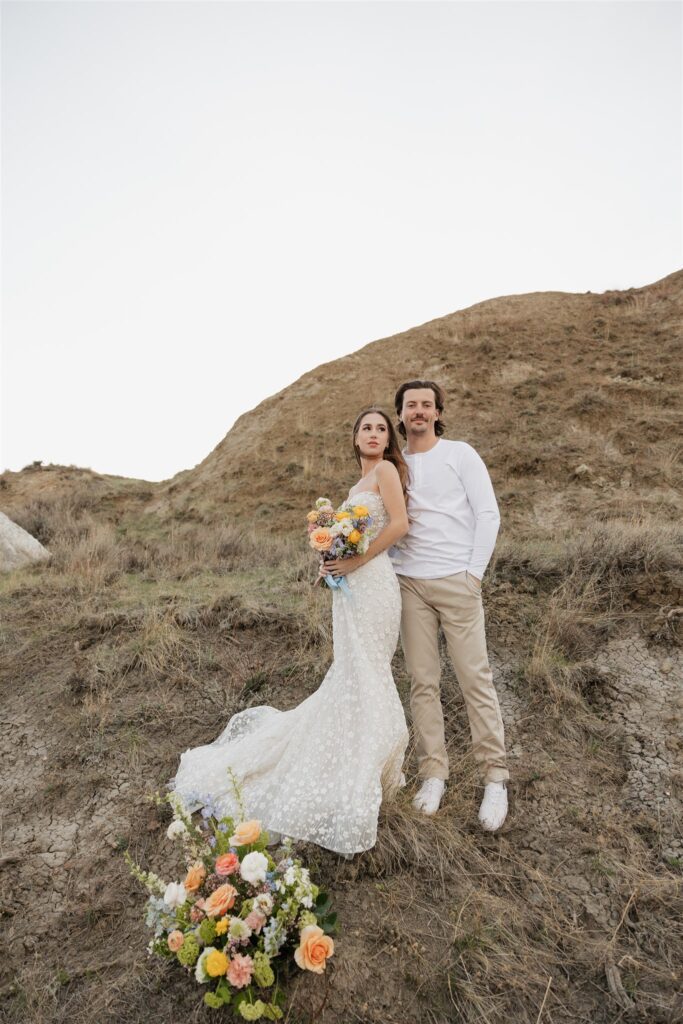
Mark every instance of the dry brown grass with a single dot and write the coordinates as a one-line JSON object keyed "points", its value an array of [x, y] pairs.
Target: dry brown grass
{"points": [[440, 921]]}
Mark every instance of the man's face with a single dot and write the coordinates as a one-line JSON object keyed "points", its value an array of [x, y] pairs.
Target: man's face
{"points": [[419, 413]]}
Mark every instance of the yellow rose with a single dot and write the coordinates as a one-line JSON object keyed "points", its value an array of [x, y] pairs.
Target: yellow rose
{"points": [[342, 515], [360, 510], [216, 964], [314, 949], [312, 516], [246, 833], [354, 536]]}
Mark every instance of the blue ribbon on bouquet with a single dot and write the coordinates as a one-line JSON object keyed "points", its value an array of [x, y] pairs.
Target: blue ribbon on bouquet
{"points": [[339, 583]]}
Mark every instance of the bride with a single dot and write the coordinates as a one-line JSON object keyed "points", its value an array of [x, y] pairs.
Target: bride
{"points": [[319, 771]]}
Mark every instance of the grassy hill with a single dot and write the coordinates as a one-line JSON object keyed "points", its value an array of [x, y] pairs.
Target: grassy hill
{"points": [[167, 607]]}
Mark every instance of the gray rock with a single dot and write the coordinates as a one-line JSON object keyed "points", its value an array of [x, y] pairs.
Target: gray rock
{"points": [[17, 547]]}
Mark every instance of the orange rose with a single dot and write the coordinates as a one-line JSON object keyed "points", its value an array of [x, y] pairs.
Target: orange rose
{"points": [[220, 901], [195, 876], [355, 536], [314, 949], [321, 539], [175, 940], [247, 832]]}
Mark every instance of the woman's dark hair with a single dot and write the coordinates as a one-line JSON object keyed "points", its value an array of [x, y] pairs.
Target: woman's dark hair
{"points": [[439, 401], [393, 451]]}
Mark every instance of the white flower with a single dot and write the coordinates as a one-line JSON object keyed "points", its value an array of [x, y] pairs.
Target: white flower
{"points": [[176, 828], [347, 527], [199, 971], [336, 529], [264, 903], [175, 895], [289, 876], [322, 502], [238, 929], [254, 866]]}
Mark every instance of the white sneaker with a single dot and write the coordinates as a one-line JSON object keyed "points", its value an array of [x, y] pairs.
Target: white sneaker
{"points": [[494, 806], [429, 796]]}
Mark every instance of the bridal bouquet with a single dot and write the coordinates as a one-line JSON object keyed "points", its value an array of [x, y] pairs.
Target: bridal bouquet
{"points": [[338, 534], [238, 915]]}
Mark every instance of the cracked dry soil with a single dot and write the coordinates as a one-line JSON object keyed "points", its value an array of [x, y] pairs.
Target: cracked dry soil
{"points": [[71, 795]]}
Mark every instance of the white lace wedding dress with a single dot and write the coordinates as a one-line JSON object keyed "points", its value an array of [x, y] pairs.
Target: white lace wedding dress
{"points": [[320, 770]]}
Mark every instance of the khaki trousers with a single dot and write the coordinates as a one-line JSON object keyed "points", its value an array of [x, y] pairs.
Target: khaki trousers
{"points": [[453, 603]]}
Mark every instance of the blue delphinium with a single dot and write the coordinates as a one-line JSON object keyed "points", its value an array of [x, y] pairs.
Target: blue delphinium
{"points": [[159, 916]]}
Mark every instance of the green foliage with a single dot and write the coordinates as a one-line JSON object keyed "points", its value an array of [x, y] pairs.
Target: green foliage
{"points": [[326, 920], [220, 997]]}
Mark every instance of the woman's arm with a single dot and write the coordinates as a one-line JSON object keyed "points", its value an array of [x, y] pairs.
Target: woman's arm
{"points": [[390, 490]]}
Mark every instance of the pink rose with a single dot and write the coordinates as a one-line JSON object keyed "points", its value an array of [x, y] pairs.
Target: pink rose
{"points": [[227, 863], [240, 970], [175, 940], [255, 920]]}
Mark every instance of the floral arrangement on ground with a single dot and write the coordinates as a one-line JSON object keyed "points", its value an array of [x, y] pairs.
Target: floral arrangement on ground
{"points": [[242, 920]]}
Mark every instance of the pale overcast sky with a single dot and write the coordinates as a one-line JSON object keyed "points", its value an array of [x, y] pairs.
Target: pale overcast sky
{"points": [[202, 201]]}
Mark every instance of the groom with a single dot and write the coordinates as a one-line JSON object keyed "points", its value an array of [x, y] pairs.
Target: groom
{"points": [[440, 563]]}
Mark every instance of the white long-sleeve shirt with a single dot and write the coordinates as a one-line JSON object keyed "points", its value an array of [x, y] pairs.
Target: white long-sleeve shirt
{"points": [[453, 511]]}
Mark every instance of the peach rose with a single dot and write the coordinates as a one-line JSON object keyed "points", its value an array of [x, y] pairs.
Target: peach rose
{"points": [[220, 901], [175, 940], [246, 833], [195, 876], [314, 949], [321, 539], [226, 864]]}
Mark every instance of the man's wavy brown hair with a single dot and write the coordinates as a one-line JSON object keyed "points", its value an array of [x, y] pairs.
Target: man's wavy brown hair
{"points": [[439, 401]]}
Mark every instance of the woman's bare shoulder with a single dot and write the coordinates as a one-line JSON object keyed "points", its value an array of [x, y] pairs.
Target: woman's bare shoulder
{"points": [[385, 470]]}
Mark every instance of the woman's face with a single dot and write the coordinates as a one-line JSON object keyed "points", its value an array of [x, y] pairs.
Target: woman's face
{"points": [[372, 437]]}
